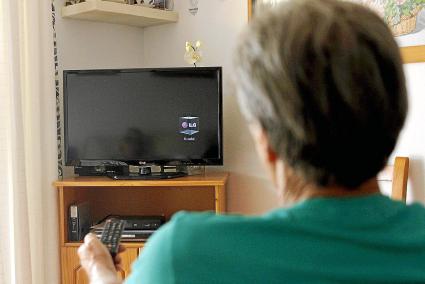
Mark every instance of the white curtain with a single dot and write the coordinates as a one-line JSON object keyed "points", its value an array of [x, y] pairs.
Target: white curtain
{"points": [[28, 230]]}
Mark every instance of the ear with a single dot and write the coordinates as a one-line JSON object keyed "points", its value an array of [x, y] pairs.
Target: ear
{"points": [[266, 153], [273, 163]]}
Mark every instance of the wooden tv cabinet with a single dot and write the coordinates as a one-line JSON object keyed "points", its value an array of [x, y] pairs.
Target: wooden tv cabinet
{"points": [[132, 197]]}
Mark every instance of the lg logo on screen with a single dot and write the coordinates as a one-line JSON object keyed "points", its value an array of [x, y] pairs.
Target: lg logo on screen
{"points": [[189, 125]]}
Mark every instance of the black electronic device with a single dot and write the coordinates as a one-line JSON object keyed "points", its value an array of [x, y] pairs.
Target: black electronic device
{"points": [[79, 221], [101, 170], [111, 235], [159, 116], [151, 176], [140, 236], [136, 228], [142, 222], [134, 236]]}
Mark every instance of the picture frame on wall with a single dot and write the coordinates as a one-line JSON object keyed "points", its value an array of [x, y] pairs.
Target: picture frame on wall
{"points": [[405, 17]]}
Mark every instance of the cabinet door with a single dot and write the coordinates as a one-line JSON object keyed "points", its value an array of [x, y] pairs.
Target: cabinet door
{"points": [[128, 257], [73, 273]]}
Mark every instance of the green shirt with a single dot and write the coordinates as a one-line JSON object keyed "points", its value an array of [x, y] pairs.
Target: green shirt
{"points": [[369, 239]]}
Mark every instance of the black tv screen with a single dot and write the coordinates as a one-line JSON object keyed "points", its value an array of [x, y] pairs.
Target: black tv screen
{"points": [[163, 116]]}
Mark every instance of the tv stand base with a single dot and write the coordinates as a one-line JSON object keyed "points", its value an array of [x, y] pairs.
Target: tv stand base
{"points": [[151, 176]]}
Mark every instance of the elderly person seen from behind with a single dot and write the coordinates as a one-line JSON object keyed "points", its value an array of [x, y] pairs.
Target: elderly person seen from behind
{"points": [[322, 87]]}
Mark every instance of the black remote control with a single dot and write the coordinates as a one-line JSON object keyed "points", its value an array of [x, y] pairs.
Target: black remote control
{"points": [[111, 235]]}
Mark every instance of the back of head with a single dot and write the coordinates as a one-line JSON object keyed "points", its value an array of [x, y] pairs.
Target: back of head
{"points": [[324, 79]]}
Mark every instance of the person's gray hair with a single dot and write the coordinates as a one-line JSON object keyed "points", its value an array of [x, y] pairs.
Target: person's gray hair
{"points": [[324, 79]]}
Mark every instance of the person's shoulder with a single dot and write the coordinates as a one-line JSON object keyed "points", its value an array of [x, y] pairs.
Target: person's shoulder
{"points": [[186, 217], [416, 206], [415, 209], [184, 225], [212, 220], [189, 227], [189, 223], [411, 208], [410, 218]]}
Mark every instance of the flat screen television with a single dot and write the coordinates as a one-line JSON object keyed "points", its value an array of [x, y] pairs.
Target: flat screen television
{"points": [[162, 116]]}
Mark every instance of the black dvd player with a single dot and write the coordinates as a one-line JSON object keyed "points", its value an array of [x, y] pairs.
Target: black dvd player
{"points": [[141, 222]]}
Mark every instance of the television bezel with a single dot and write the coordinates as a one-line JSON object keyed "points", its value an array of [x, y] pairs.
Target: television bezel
{"points": [[162, 162]]}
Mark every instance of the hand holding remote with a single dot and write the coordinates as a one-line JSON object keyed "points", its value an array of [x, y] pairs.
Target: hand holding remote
{"points": [[97, 261], [111, 235]]}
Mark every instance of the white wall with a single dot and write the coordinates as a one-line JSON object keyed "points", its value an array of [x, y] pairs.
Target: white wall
{"points": [[412, 139], [84, 44], [217, 25]]}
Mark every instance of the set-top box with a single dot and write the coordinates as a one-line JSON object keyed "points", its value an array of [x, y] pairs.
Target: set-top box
{"points": [[141, 222]]}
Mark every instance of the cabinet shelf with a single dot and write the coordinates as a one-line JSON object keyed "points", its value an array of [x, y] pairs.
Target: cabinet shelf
{"points": [[125, 244], [210, 179], [118, 13]]}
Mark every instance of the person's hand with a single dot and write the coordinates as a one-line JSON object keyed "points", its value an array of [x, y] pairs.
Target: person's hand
{"points": [[118, 260], [97, 261]]}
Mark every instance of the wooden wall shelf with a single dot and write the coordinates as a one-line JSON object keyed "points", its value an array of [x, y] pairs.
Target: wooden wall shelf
{"points": [[118, 13], [132, 197]]}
